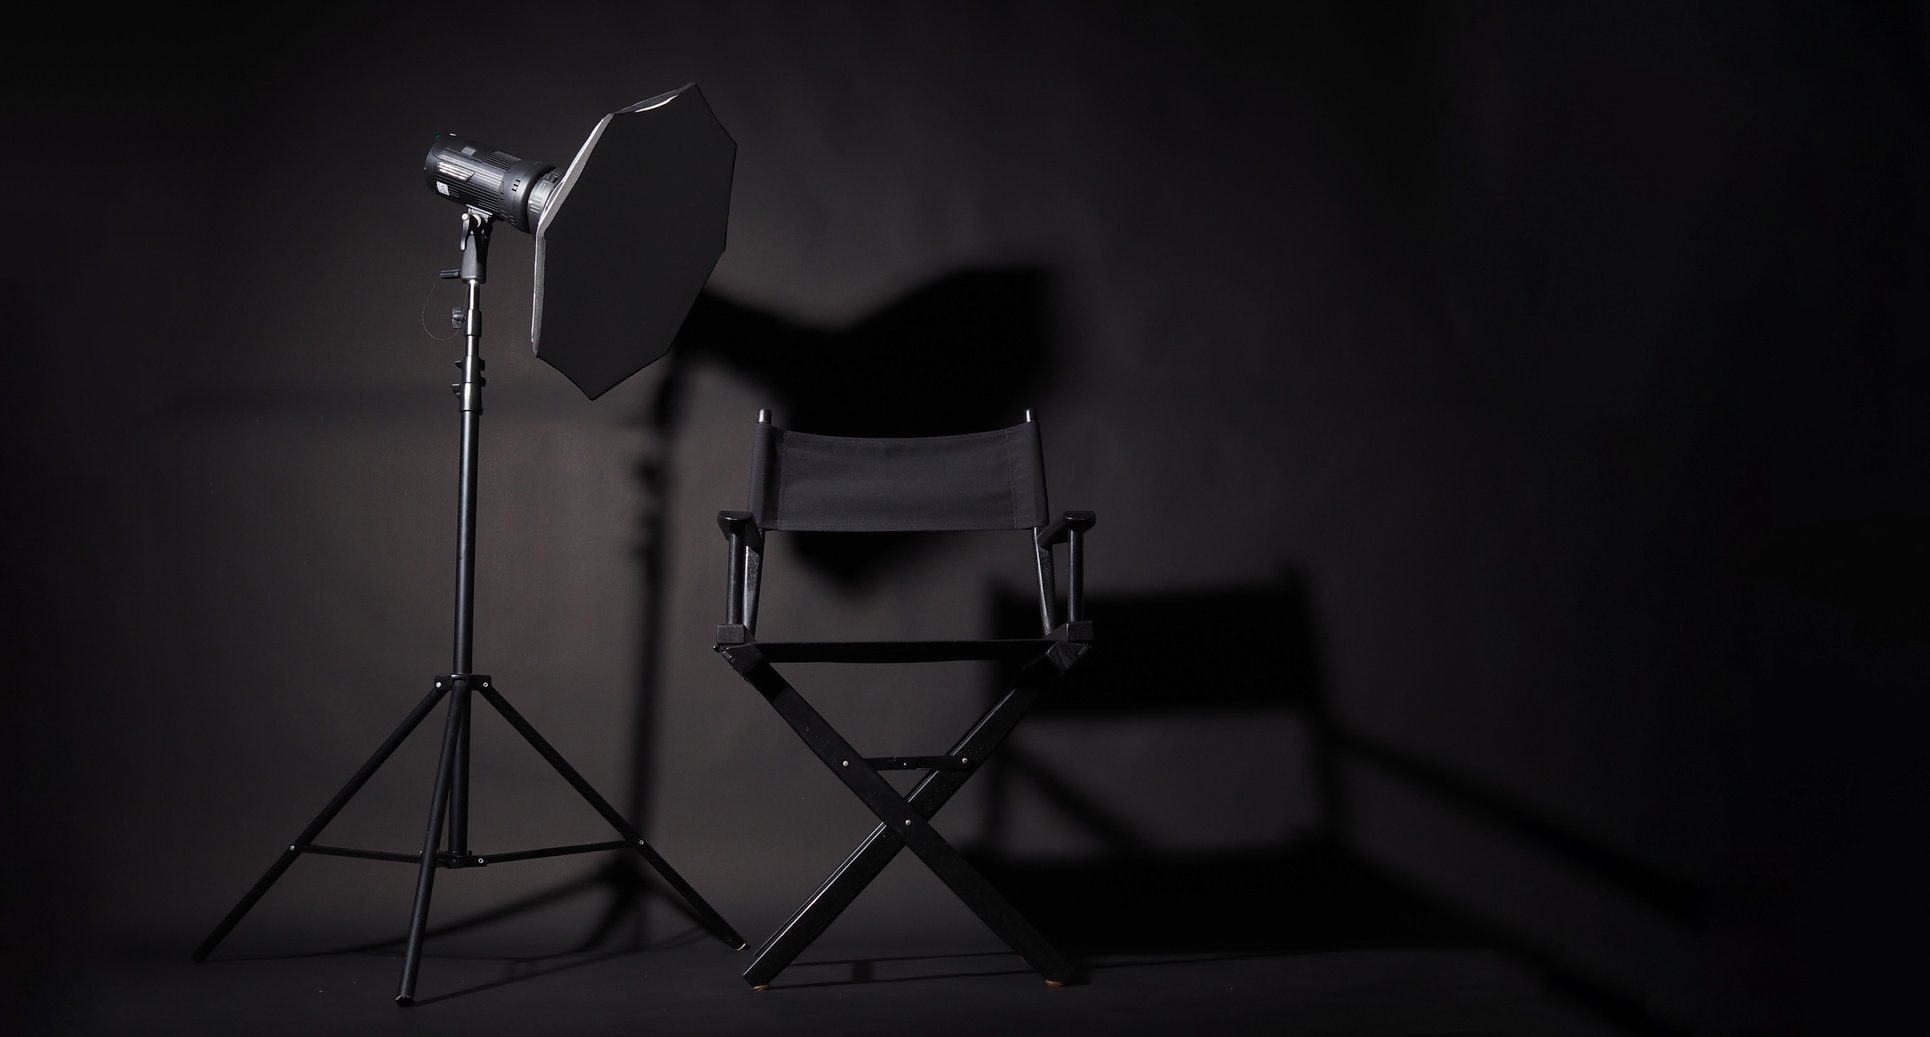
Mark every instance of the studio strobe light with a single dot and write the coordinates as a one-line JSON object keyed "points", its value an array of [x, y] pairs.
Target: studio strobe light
{"points": [[625, 237], [626, 234]]}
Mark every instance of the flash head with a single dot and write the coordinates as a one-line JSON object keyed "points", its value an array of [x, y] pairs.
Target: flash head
{"points": [[618, 268], [497, 182]]}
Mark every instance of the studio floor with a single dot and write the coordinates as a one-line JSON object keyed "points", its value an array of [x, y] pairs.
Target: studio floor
{"points": [[689, 984], [1271, 947]]}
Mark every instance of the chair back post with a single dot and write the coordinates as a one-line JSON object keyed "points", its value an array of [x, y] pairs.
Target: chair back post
{"points": [[734, 598], [1075, 576], [1048, 593], [753, 558], [753, 577], [1048, 590]]}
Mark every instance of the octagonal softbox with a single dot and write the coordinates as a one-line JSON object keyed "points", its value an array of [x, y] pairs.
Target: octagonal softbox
{"points": [[630, 237]]}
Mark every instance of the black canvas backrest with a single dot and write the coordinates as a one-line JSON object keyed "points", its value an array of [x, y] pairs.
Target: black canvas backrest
{"points": [[977, 481]]}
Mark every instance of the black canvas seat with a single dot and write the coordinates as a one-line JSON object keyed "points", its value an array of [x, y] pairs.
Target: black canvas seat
{"points": [[978, 482]]}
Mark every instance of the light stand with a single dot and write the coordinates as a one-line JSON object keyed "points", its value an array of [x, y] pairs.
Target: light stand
{"points": [[449, 801]]}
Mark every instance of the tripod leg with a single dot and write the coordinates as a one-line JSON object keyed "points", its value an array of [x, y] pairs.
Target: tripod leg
{"points": [[459, 780], [431, 838], [714, 921], [321, 820]]}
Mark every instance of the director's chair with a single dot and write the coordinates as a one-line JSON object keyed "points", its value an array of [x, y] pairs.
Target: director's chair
{"points": [[984, 481]]}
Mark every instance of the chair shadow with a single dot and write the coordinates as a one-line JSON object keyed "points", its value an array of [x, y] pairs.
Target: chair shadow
{"points": [[1289, 892]]}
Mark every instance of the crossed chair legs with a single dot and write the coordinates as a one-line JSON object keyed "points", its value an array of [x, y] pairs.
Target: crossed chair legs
{"points": [[904, 820]]}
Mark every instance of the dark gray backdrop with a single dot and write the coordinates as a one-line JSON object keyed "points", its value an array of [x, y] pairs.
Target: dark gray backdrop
{"points": [[1504, 423]]}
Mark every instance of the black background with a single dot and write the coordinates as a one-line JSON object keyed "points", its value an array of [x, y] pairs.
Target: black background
{"points": [[1504, 420]]}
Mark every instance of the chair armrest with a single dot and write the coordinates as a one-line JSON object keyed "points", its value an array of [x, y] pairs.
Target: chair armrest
{"points": [[1064, 526], [740, 523]]}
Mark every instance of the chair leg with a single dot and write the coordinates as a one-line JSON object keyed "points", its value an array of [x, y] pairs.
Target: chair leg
{"points": [[904, 822]]}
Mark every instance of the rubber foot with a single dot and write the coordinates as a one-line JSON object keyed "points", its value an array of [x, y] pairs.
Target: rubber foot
{"points": [[404, 1000], [1055, 983], [760, 988]]}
